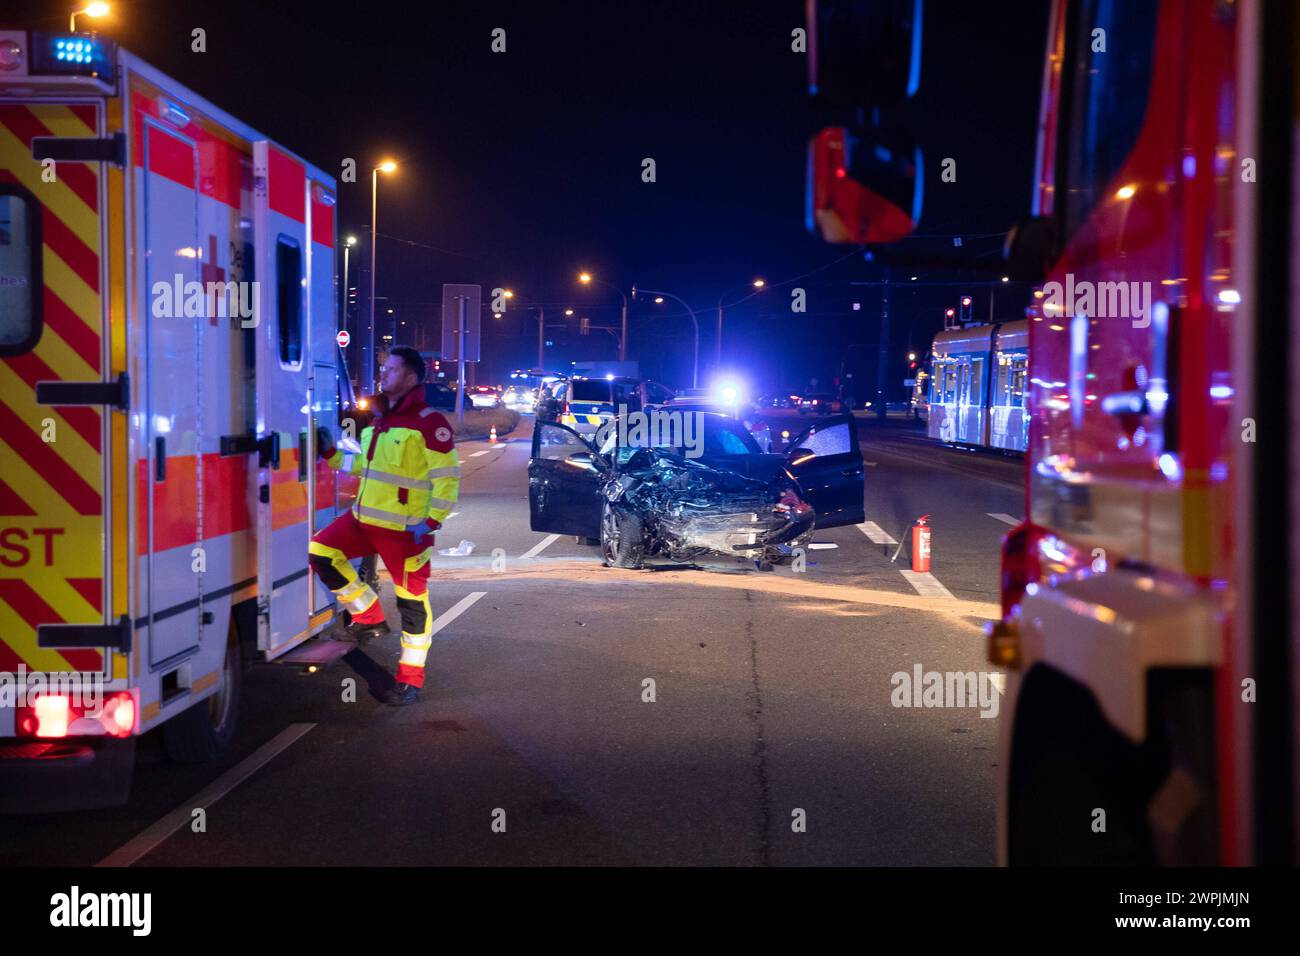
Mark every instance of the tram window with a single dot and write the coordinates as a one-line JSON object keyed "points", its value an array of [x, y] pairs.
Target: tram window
{"points": [[1019, 370], [950, 384], [20, 271], [975, 384], [289, 294]]}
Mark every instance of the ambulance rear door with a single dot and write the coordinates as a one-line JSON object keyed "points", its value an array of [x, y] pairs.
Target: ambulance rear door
{"points": [[283, 369], [57, 391]]}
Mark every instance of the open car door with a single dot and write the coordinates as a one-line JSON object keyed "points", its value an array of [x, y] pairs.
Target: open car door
{"points": [[827, 463], [564, 478]]}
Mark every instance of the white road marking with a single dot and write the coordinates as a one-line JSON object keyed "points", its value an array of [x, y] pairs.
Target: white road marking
{"points": [[926, 584], [821, 547], [871, 464], [540, 546], [455, 611], [475, 454], [452, 515], [1003, 517], [875, 533], [149, 839]]}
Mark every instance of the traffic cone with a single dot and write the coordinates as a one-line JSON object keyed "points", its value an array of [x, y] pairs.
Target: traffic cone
{"points": [[492, 435]]}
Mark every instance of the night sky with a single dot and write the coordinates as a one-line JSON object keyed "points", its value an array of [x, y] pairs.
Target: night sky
{"points": [[517, 169]]}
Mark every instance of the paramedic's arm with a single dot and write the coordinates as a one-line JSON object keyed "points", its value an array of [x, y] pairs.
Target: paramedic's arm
{"points": [[444, 470], [335, 457]]}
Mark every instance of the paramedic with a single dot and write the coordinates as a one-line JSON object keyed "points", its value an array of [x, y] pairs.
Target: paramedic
{"points": [[410, 479]]}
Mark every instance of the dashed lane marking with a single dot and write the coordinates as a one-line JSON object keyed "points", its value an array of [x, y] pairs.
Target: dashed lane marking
{"points": [[875, 533], [475, 454], [146, 841], [821, 547], [455, 611], [1001, 516], [540, 546], [926, 584]]}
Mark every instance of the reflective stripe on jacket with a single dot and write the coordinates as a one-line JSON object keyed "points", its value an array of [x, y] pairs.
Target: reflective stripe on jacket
{"points": [[408, 467]]}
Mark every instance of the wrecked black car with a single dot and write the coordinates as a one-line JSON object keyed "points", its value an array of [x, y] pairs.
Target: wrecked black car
{"points": [[697, 491]]}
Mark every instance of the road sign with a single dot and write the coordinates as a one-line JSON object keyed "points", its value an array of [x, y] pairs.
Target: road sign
{"points": [[343, 338], [452, 296]]}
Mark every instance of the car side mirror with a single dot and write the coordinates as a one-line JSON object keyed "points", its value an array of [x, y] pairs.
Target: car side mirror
{"points": [[1030, 249], [581, 459]]}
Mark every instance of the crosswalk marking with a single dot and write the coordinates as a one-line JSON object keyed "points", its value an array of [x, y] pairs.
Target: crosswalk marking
{"points": [[1002, 516], [926, 584], [875, 533], [821, 547]]}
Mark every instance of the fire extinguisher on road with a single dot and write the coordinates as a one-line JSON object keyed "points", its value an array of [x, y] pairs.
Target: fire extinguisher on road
{"points": [[921, 544]]}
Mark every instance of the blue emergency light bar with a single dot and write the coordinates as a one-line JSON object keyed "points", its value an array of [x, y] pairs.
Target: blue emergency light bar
{"points": [[75, 54]]}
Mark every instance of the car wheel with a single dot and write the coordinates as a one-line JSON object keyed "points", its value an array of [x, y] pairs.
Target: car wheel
{"points": [[621, 539]]}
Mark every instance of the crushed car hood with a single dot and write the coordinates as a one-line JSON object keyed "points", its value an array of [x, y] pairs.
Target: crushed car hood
{"points": [[697, 507]]}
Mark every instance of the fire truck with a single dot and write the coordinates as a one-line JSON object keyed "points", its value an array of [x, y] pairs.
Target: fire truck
{"points": [[167, 352], [1148, 603]]}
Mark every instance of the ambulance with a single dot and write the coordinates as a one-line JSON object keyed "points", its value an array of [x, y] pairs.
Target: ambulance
{"points": [[167, 351]]}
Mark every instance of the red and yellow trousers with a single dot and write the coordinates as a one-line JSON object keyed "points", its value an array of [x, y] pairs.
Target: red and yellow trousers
{"points": [[406, 556]]}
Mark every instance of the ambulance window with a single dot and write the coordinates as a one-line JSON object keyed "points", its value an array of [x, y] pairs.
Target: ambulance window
{"points": [[20, 270], [289, 293]]}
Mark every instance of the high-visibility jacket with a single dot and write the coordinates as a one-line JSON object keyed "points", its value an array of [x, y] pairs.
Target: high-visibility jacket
{"points": [[408, 466]]}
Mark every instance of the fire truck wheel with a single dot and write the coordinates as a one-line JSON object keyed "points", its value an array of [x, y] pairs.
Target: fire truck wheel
{"points": [[1078, 789], [203, 732]]}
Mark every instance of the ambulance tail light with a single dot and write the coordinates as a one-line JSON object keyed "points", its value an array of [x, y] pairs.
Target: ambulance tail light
{"points": [[118, 717], [56, 715], [48, 716]]}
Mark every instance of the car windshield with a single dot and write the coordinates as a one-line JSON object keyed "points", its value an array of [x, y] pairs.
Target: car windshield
{"points": [[688, 434], [590, 390]]}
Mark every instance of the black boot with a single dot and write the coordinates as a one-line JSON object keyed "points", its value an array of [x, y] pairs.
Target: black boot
{"points": [[402, 694], [361, 633]]}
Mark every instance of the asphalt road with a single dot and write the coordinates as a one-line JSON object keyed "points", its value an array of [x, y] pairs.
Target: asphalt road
{"points": [[772, 707]]}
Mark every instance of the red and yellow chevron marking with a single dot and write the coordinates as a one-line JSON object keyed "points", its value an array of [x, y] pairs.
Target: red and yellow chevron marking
{"points": [[51, 497]]}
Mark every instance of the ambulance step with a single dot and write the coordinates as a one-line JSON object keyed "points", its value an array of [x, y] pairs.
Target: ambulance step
{"points": [[319, 651]]}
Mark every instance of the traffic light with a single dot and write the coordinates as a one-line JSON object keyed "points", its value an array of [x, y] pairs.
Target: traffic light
{"points": [[965, 308], [584, 326]]}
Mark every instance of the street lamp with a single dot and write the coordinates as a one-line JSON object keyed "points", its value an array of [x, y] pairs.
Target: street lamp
{"points": [[348, 243], [758, 285], [586, 278], [387, 166], [659, 297], [94, 11]]}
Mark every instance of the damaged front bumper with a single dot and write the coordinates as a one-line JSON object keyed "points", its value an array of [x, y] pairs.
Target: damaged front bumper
{"points": [[731, 534], [692, 511]]}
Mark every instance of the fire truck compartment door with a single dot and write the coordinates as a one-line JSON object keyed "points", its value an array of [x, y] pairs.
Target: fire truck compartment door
{"points": [[283, 368], [1107, 630]]}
